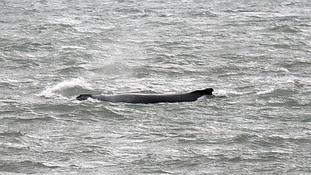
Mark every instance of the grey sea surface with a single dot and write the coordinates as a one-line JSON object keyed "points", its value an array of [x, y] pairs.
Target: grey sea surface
{"points": [[255, 54]]}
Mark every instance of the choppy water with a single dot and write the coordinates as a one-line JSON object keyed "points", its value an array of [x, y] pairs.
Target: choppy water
{"points": [[255, 53]]}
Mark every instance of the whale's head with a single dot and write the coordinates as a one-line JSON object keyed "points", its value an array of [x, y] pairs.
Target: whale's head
{"points": [[83, 97], [207, 91]]}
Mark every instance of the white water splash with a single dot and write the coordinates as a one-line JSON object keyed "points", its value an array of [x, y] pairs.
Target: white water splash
{"points": [[66, 88]]}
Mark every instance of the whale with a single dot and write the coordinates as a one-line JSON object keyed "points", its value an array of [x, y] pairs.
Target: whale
{"points": [[150, 98]]}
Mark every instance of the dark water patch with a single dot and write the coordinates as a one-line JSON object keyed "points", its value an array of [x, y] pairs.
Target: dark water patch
{"points": [[271, 141], [7, 112], [201, 13], [11, 134], [254, 141], [289, 18], [299, 170], [55, 27], [128, 10], [19, 63], [306, 120], [5, 43], [231, 56], [280, 46], [7, 85], [290, 140], [257, 157], [285, 29], [185, 162], [27, 46], [296, 64], [158, 24], [54, 108], [65, 70], [27, 166], [11, 148], [97, 112], [243, 138], [154, 170], [157, 162]]}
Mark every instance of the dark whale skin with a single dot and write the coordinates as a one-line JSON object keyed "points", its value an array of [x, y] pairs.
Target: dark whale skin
{"points": [[146, 98]]}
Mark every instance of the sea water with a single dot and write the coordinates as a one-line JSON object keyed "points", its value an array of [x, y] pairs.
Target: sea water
{"points": [[255, 54]]}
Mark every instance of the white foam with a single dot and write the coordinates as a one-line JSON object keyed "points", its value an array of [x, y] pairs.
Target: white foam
{"points": [[56, 90], [226, 92], [266, 91]]}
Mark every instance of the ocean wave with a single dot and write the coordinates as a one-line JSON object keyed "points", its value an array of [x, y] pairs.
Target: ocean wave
{"points": [[284, 28]]}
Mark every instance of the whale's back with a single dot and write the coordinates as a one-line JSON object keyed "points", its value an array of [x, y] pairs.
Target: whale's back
{"points": [[207, 91], [150, 98]]}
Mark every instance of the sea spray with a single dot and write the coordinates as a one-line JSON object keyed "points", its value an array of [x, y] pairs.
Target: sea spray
{"points": [[66, 89]]}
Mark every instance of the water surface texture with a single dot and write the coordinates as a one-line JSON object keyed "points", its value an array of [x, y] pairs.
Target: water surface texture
{"points": [[257, 54]]}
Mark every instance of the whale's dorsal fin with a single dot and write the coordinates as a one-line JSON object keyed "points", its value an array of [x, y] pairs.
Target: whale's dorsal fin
{"points": [[207, 91]]}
